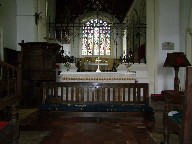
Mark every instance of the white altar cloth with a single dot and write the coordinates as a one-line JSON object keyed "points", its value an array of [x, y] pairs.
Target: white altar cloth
{"points": [[109, 77]]}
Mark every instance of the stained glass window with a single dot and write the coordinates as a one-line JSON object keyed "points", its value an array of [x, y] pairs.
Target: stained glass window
{"points": [[96, 38]]}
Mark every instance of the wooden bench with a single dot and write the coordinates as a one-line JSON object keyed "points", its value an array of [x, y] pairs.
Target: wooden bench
{"points": [[91, 99], [177, 114], [10, 92]]}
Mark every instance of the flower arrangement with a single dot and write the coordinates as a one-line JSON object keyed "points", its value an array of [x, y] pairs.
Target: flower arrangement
{"points": [[67, 65]]}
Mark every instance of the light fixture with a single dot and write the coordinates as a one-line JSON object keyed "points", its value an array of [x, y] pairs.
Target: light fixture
{"points": [[176, 60]]}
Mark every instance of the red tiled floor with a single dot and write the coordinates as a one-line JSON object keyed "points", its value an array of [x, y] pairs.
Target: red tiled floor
{"points": [[65, 130], [90, 131]]}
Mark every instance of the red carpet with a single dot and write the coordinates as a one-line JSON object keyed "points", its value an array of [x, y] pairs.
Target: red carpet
{"points": [[3, 124]]}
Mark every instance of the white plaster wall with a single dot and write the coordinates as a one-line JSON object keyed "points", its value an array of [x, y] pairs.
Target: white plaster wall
{"points": [[168, 31], [42, 23], [26, 28], [165, 21], [174, 19], [17, 22], [8, 23]]}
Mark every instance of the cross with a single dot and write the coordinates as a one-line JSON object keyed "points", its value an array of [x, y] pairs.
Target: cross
{"points": [[98, 60]]}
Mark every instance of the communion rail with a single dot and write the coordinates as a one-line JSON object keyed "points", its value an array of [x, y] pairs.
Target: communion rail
{"points": [[92, 99]]}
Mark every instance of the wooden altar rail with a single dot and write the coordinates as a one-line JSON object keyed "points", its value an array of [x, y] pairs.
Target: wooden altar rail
{"points": [[92, 92], [10, 84], [95, 100]]}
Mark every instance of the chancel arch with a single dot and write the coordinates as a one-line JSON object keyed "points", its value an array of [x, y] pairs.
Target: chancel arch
{"points": [[81, 36], [125, 37]]}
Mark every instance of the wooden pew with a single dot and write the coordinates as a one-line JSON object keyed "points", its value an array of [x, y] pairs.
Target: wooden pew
{"points": [[186, 131], [181, 122], [10, 92]]}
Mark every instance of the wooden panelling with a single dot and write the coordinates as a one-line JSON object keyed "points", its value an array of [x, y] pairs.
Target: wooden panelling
{"points": [[38, 65]]}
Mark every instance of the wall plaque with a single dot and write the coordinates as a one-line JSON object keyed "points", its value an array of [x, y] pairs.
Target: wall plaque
{"points": [[167, 46]]}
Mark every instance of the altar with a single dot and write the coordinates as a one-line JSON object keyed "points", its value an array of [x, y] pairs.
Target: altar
{"points": [[134, 73], [91, 66], [105, 77]]}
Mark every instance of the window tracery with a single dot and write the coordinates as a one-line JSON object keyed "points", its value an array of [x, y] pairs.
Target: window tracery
{"points": [[96, 38]]}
